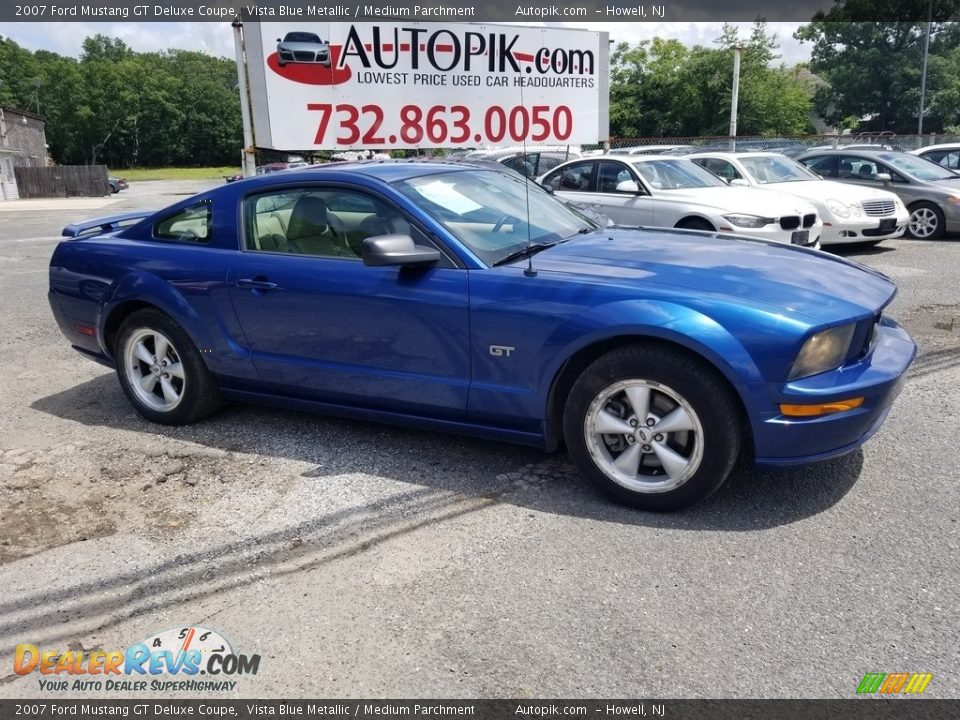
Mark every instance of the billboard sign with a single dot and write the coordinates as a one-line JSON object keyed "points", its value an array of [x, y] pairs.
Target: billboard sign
{"points": [[328, 86]]}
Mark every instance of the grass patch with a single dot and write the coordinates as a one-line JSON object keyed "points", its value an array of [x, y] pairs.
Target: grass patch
{"points": [[206, 173]]}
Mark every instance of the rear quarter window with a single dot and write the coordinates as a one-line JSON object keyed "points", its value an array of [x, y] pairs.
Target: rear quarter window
{"points": [[190, 225]]}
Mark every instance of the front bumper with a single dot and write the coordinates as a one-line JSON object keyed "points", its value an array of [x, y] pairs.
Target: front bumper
{"points": [[863, 229], [777, 234], [878, 378]]}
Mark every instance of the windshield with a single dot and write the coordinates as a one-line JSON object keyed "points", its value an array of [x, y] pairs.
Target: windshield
{"points": [[487, 211], [917, 167], [302, 37], [774, 169], [676, 174]]}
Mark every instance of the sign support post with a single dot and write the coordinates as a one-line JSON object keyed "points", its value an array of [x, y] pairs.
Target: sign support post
{"points": [[248, 157]]}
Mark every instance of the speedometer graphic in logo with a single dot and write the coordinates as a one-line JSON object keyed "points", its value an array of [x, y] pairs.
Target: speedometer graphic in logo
{"points": [[194, 638]]}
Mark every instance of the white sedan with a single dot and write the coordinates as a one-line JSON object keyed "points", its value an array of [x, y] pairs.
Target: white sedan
{"points": [[666, 191], [946, 154], [850, 213]]}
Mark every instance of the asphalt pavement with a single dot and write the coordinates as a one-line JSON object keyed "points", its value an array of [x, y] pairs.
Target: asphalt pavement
{"points": [[361, 560]]}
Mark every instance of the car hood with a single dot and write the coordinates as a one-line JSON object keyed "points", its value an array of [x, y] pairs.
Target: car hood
{"points": [[823, 190], [749, 200], [823, 287]]}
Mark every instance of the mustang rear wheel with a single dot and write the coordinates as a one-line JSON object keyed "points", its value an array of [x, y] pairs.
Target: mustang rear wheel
{"points": [[161, 371], [652, 427]]}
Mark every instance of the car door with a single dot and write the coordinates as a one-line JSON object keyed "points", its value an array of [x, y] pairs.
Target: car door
{"points": [[320, 324], [621, 195]]}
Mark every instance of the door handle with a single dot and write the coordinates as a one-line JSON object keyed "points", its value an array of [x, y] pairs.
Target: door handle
{"points": [[256, 284]]}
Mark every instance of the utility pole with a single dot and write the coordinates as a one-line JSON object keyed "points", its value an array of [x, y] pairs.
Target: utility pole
{"points": [[735, 97], [923, 74], [248, 154]]}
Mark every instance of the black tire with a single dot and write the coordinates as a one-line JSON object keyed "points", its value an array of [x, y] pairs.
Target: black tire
{"points": [[697, 384], [695, 224], [938, 232], [198, 393]]}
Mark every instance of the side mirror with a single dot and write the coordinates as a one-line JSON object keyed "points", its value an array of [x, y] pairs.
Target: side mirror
{"points": [[396, 250], [547, 188], [279, 40], [738, 182], [628, 186], [883, 177]]}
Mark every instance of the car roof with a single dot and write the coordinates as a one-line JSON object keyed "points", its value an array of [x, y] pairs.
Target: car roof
{"points": [[940, 146], [738, 154], [851, 151], [385, 170]]}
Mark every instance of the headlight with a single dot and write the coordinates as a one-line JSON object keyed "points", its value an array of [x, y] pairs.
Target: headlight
{"points": [[838, 208], [748, 221], [856, 209], [822, 351]]}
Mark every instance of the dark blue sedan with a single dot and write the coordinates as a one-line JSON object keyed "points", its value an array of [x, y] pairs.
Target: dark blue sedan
{"points": [[453, 298]]}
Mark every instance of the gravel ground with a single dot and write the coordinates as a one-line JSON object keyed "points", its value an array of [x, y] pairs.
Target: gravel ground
{"points": [[361, 560]]}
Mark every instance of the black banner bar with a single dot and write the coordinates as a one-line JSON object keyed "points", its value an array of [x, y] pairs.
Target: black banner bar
{"points": [[866, 708], [612, 11]]}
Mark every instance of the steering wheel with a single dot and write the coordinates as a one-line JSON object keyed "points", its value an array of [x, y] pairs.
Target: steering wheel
{"points": [[501, 222]]}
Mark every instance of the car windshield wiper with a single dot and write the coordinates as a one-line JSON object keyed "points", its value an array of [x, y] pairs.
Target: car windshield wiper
{"points": [[585, 230], [523, 252]]}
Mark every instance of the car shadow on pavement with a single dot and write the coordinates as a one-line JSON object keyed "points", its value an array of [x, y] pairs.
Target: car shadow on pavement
{"points": [[751, 499], [449, 478], [855, 250]]}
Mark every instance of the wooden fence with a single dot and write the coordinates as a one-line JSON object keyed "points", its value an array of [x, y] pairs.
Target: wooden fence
{"points": [[62, 181]]}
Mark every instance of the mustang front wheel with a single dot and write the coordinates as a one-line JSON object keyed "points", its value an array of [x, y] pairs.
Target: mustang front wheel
{"points": [[161, 372], [653, 427]]}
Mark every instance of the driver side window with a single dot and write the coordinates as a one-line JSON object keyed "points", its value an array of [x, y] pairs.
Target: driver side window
{"points": [[330, 223]]}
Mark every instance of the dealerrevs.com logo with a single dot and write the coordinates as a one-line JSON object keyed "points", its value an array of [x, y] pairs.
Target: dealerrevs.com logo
{"points": [[168, 661]]}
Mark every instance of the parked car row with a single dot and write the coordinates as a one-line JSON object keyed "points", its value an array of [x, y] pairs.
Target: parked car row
{"points": [[661, 191], [850, 214], [931, 192], [813, 200]]}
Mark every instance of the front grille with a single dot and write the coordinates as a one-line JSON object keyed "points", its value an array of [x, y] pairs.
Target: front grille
{"points": [[790, 222], [876, 208], [303, 56], [809, 219]]}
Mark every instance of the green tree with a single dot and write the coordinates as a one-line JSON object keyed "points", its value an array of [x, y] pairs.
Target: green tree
{"points": [[661, 88], [870, 52], [124, 108]]}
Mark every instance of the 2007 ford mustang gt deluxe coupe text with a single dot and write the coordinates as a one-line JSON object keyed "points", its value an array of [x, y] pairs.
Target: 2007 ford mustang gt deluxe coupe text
{"points": [[454, 298]]}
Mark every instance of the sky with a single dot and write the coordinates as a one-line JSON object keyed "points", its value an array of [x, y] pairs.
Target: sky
{"points": [[217, 38]]}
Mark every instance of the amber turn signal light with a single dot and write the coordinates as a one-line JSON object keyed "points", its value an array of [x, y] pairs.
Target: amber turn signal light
{"points": [[821, 409]]}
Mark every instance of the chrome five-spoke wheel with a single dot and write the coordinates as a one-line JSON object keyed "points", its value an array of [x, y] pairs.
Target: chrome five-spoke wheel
{"points": [[644, 436], [161, 370], [154, 371], [653, 426]]}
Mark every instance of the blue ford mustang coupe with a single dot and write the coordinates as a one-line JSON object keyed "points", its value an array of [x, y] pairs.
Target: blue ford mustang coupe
{"points": [[453, 298]]}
